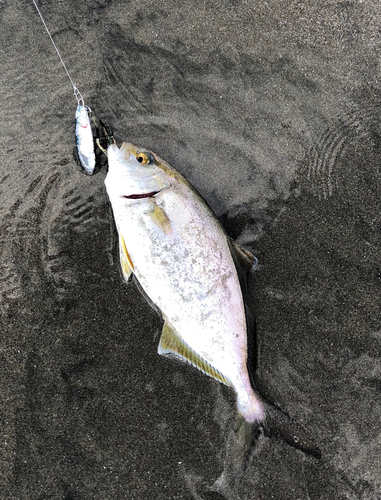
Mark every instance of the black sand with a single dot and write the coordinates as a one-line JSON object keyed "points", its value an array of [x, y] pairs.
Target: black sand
{"points": [[272, 110]]}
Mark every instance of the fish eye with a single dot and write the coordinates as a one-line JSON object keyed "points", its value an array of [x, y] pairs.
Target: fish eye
{"points": [[144, 158]]}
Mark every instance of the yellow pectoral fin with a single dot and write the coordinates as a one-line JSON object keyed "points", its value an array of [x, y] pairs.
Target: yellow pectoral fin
{"points": [[125, 260], [160, 218], [172, 345]]}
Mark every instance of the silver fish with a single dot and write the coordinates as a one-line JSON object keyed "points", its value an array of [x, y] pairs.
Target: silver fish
{"points": [[84, 139], [184, 261]]}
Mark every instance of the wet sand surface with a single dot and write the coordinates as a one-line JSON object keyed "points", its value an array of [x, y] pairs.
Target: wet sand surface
{"points": [[272, 110]]}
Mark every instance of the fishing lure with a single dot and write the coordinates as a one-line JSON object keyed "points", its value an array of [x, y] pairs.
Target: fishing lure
{"points": [[84, 138], [83, 131]]}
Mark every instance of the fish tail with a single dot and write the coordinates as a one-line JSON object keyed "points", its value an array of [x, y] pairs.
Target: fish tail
{"points": [[279, 425], [250, 407]]}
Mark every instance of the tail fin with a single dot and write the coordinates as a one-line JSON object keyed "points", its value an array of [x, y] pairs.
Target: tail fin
{"points": [[243, 436], [279, 425], [276, 423]]}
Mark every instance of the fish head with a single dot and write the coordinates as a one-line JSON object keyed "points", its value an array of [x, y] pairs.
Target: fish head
{"points": [[134, 173]]}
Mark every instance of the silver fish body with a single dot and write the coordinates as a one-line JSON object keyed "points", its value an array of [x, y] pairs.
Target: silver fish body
{"points": [[84, 139], [181, 256]]}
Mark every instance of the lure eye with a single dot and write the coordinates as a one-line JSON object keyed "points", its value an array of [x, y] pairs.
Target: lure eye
{"points": [[144, 158]]}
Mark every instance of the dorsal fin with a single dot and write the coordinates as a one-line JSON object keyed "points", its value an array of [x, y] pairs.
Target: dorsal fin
{"points": [[125, 260], [244, 261], [172, 345], [242, 257]]}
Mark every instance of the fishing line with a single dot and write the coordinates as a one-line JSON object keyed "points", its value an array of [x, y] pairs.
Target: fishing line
{"points": [[77, 94]]}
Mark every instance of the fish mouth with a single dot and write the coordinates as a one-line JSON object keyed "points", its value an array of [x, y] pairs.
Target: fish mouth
{"points": [[139, 196]]}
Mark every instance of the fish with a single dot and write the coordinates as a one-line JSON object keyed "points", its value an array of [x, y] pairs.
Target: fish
{"points": [[84, 139], [177, 250]]}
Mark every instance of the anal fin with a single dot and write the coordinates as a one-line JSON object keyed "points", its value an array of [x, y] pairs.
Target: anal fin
{"points": [[172, 345], [125, 260]]}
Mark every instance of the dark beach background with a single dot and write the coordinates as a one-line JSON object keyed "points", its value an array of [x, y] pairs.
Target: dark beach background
{"points": [[272, 110]]}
